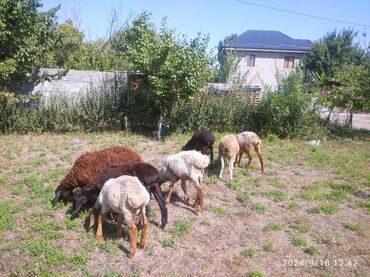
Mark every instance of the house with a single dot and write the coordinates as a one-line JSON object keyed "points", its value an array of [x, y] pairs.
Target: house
{"points": [[262, 54]]}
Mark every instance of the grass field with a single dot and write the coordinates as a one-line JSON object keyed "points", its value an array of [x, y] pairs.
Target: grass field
{"points": [[308, 215]]}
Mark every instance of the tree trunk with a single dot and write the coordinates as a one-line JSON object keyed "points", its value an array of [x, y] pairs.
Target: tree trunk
{"points": [[160, 124], [350, 119]]}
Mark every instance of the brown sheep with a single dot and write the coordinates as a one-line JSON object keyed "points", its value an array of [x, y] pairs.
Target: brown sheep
{"points": [[248, 141], [228, 149], [88, 165], [147, 174]]}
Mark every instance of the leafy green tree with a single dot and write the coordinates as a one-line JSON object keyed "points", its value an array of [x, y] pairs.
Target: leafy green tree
{"points": [[329, 56], [171, 68], [353, 91], [330, 53], [26, 34], [228, 61], [66, 49]]}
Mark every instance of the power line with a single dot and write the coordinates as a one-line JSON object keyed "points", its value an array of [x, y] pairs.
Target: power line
{"points": [[302, 14]]}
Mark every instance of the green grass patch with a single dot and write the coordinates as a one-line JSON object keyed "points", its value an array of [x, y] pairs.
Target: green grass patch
{"points": [[249, 252], [3, 180], [7, 211], [71, 224], [109, 246], [277, 183], [311, 250], [366, 206], [168, 243], [299, 242], [352, 226], [56, 257], [273, 226], [244, 182], [255, 274], [243, 197], [275, 194], [293, 205], [326, 190], [79, 259], [300, 226], [268, 247], [325, 208], [181, 227], [259, 207], [216, 210]]}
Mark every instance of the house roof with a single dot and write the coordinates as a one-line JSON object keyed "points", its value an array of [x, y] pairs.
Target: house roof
{"points": [[269, 40]]}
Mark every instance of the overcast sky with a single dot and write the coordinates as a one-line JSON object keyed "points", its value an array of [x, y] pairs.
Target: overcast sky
{"points": [[219, 18]]}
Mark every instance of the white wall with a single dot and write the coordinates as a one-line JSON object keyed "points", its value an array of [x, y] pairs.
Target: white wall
{"points": [[75, 82], [266, 66]]}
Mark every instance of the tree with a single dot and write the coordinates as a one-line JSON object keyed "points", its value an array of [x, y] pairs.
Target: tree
{"points": [[353, 91], [66, 49], [228, 61], [329, 56], [171, 68], [25, 36]]}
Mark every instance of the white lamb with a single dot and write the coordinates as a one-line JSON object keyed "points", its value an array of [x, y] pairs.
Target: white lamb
{"points": [[126, 196], [228, 149], [186, 165]]}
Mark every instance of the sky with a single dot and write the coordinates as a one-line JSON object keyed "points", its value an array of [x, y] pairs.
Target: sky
{"points": [[220, 18]]}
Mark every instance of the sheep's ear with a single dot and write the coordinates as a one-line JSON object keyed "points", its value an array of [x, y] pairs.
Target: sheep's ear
{"points": [[56, 198]]}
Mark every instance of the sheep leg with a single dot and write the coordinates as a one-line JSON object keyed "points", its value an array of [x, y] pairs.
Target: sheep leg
{"points": [[239, 158], [157, 192], [250, 158], [168, 196], [222, 166], [199, 201], [119, 226], [231, 168], [257, 148], [99, 232], [144, 233], [132, 235], [183, 186]]}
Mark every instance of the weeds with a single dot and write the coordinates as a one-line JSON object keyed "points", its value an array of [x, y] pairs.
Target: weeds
{"points": [[311, 250], [259, 207], [181, 227], [273, 226], [352, 226], [299, 242], [249, 252], [325, 208]]}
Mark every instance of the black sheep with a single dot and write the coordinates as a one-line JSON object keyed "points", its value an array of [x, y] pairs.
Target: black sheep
{"points": [[202, 141]]}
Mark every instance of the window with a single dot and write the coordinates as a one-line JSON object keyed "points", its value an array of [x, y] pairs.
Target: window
{"points": [[250, 60], [289, 61]]}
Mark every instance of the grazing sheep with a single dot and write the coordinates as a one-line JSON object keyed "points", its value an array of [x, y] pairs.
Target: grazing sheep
{"points": [[228, 149], [126, 196], [88, 165], [202, 141], [147, 174], [186, 165], [248, 141]]}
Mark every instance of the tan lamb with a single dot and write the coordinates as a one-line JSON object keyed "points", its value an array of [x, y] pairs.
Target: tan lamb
{"points": [[228, 149], [247, 142]]}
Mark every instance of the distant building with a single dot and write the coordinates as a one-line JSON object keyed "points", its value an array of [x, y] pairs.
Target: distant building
{"points": [[261, 54]]}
